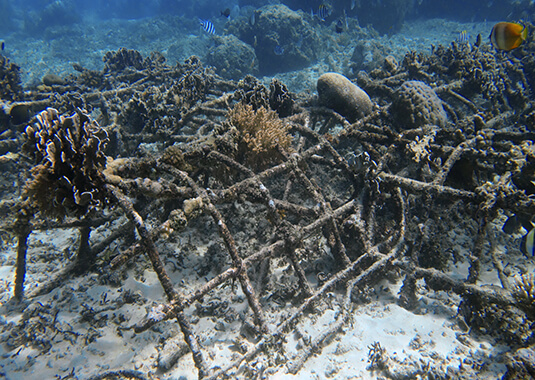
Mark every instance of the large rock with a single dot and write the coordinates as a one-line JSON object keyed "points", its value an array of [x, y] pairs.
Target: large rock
{"points": [[232, 58], [340, 94], [283, 39]]}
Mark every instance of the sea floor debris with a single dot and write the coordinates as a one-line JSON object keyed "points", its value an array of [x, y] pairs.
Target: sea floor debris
{"points": [[253, 246]]}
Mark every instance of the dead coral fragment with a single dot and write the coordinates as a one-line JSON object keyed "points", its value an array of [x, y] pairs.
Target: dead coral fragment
{"points": [[69, 155], [262, 130], [10, 82]]}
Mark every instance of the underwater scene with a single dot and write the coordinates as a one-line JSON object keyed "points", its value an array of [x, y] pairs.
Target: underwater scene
{"points": [[249, 189]]}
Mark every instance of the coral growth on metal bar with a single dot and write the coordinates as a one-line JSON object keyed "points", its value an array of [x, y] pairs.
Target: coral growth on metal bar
{"points": [[274, 182]]}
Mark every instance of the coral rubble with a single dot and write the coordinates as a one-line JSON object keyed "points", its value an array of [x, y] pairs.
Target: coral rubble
{"points": [[10, 84], [289, 201]]}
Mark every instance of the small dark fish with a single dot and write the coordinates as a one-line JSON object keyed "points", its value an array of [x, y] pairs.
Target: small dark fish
{"points": [[278, 50], [463, 38], [323, 12], [478, 40], [512, 225], [3, 45], [226, 13], [517, 221], [208, 26], [339, 27]]}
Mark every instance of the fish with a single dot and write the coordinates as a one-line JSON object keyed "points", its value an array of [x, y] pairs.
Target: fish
{"points": [[207, 26], [226, 13], [278, 50], [252, 19], [339, 27], [3, 45], [526, 246], [323, 12], [508, 35], [478, 40], [463, 37]]}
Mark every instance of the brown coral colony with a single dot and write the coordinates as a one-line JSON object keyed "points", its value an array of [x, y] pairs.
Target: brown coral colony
{"points": [[68, 152]]}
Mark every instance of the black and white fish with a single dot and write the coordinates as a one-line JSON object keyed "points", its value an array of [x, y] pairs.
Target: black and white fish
{"points": [[226, 13], [463, 38], [323, 12], [207, 26]]}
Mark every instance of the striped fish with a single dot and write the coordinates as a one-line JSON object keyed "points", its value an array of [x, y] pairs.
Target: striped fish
{"points": [[508, 35], [207, 26], [323, 12], [463, 38]]}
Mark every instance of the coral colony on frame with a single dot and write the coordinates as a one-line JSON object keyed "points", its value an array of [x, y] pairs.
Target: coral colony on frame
{"points": [[289, 205]]}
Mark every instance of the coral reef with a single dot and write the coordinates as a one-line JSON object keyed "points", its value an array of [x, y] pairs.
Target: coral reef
{"points": [[263, 133], [68, 153], [290, 202], [416, 105], [340, 94], [123, 58], [10, 84], [514, 326], [468, 78], [280, 98], [524, 292]]}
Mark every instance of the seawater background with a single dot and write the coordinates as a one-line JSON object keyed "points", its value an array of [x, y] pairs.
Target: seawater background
{"points": [[48, 36]]}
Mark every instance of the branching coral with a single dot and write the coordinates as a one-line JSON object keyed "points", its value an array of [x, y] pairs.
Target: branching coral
{"points": [[262, 131], [377, 356], [524, 292], [68, 152]]}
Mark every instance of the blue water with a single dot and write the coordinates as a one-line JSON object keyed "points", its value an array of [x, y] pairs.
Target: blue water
{"points": [[48, 36], [17, 15]]}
